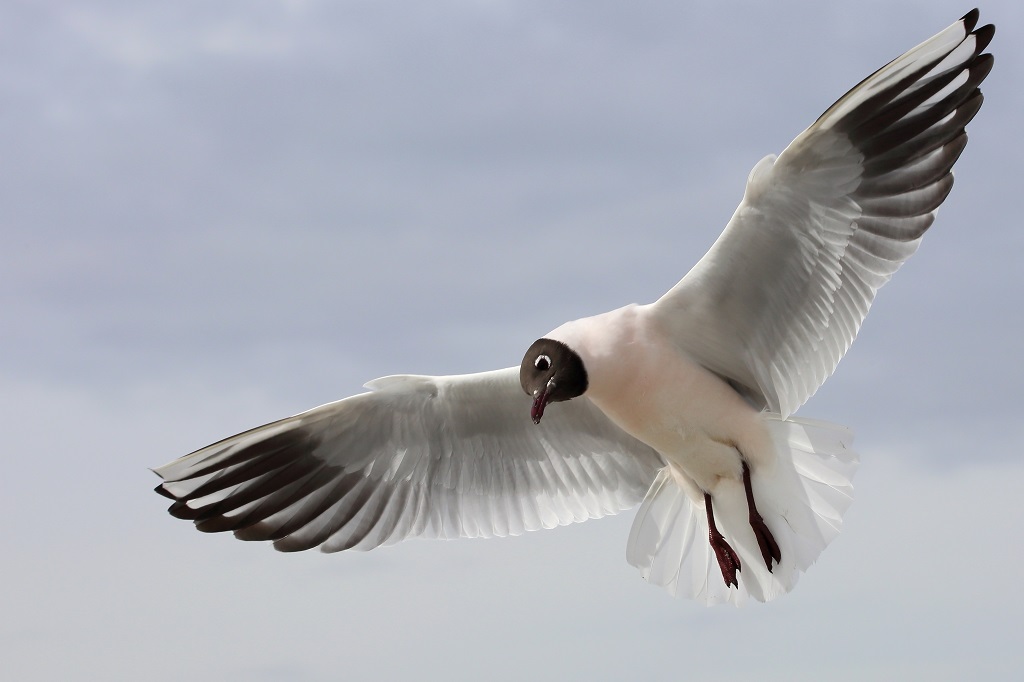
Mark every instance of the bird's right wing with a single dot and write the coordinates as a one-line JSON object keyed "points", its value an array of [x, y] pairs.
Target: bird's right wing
{"points": [[416, 456]]}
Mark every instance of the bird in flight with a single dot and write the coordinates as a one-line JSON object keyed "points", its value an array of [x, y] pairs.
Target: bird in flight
{"points": [[682, 405]]}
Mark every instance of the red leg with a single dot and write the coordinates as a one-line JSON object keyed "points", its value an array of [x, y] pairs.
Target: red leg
{"points": [[765, 539], [728, 560]]}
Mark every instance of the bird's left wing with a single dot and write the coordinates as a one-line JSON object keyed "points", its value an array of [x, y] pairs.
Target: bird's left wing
{"points": [[445, 456], [779, 298]]}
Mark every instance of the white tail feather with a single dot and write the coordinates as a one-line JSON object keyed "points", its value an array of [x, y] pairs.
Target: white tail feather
{"points": [[802, 498]]}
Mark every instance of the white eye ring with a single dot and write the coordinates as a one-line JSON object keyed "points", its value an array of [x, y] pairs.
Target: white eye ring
{"points": [[543, 363]]}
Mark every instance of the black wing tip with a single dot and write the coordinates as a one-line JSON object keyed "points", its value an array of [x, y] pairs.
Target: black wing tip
{"points": [[984, 36], [982, 66], [970, 19], [181, 510], [161, 490], [976, 102], [290, 548]]}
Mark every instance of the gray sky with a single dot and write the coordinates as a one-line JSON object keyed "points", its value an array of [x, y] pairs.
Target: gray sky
{"points": [[218, 214]]}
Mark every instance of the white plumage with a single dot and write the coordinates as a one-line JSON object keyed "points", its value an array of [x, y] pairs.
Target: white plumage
{"points": [[683, 397]]}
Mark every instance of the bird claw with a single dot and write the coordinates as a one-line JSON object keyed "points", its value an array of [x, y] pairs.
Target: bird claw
{"points": [[728, 560], [765, 541]]}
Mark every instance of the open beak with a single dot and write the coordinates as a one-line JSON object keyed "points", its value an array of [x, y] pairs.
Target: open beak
{"points": [[541, 397]]}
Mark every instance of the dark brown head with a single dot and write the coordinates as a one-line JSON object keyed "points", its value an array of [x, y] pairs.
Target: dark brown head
{"points": [[551, 372]]}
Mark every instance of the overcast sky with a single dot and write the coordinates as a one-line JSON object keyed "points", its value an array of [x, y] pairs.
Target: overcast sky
{"points": [[218, 214]]}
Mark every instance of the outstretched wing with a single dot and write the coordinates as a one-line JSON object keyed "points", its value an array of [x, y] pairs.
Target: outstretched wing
{"points": [[417, 456], [777, 301]]}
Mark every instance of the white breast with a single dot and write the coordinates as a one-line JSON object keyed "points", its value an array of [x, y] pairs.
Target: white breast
{"points": [[661, 396]]}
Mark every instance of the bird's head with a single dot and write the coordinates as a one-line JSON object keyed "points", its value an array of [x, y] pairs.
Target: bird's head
{"points": [[551, 372]]}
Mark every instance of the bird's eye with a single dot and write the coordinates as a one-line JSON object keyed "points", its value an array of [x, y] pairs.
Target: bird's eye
{"points": [[543, 363]]}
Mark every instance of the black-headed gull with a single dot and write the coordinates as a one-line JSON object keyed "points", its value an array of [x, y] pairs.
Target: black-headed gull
{"points": [[682, 405]]}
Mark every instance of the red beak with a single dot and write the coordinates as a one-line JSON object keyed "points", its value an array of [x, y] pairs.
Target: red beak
{"points": [[540, 401]]}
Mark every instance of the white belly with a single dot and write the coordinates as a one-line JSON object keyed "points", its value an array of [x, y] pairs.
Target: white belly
{"points": [[694, 419]]}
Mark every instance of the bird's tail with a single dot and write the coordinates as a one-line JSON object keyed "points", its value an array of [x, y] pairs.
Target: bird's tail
{"points": [[802, 498]]}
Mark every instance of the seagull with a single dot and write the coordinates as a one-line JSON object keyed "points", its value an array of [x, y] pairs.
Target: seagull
{"points": [[683, 406]]}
